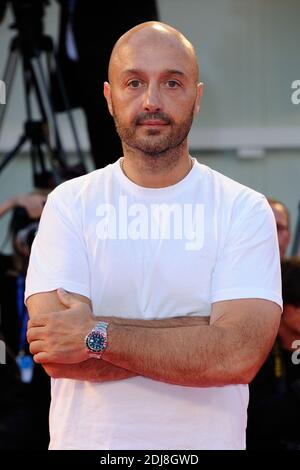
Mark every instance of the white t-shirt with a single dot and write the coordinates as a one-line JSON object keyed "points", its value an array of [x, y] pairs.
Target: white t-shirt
{"points": [[107, 238]]}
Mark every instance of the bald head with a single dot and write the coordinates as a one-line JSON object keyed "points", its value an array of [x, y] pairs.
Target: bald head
{"points": [[153, 92], [153, 34]]}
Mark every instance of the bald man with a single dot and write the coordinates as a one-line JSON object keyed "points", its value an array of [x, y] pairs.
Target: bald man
{"points": [[154, 284]]}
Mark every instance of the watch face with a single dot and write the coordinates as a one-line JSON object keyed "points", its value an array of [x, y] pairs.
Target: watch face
{"points": [[96, 341]]}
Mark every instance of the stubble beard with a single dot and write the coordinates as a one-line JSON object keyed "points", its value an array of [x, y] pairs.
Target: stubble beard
{"points": [[153, 145]]}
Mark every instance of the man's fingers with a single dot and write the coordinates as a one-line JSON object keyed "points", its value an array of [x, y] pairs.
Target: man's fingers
{"points": [[42, 358], [36, 347], [67, 299], [35, 333], [37, 321]]}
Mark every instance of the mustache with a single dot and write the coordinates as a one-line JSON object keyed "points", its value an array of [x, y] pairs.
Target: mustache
{"points": [[143, 117]]}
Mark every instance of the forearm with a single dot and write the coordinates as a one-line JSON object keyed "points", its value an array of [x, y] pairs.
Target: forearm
{"points": [[172, 322], [58, 325], [196, 356], [95, 370], [228, 350], [92, 370]]}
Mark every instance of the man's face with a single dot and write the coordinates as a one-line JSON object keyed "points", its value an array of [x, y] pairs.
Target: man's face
{"points": [[283, 230], [153, 96]]}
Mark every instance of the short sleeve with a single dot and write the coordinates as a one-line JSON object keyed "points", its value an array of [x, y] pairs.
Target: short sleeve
{"points": [[248, 263], [58, 255]]}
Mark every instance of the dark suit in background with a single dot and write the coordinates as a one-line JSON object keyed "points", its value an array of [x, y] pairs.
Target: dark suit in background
{"points": [[96, 27]]}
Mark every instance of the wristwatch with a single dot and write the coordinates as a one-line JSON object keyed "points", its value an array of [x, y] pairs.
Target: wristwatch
{"points": [[96, 340]]}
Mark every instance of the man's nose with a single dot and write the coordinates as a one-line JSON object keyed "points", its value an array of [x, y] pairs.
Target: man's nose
{"points": [[152, 101]]}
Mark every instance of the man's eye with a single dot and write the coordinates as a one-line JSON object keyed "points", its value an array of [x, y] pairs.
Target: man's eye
{"points": [[134, 83], [172, 84]]}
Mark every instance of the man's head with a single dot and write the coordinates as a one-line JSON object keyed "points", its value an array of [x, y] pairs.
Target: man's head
{"points": [[153, 91], [282, 218]]}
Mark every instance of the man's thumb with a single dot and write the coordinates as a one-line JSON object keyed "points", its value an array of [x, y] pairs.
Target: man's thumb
{"points": [[65, 298]]}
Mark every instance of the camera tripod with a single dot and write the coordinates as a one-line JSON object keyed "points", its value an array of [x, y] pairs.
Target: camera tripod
{"points": [[43, 133]]}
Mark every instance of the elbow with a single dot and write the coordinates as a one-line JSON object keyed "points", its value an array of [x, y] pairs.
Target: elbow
{"points": [[244, 375], [238, 377], [251, 374], [251, 369], [236, 372]]}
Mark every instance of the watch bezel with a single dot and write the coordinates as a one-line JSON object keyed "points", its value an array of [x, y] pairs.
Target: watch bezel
{"points": [[90, 347]]}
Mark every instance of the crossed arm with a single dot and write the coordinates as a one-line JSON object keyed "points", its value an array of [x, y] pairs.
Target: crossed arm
{"points": [[228, 348]]}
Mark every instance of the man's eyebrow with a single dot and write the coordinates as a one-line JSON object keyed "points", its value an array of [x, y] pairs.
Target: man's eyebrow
{"points": [[132, 72], [165, 72], [175, 72]]}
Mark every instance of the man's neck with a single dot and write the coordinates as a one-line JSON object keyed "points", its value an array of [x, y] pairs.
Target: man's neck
{"points": [[158, 171]]}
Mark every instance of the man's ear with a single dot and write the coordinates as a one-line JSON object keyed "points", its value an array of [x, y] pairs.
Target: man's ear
{"points": [[107, 94], [198, 98]]}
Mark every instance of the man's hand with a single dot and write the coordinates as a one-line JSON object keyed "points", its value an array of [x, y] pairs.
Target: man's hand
{"points": [[33, 203], [59, 337], [92, 370]]}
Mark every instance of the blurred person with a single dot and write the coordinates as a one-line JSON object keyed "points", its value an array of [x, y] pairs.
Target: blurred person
{"points": [[155, 343], [282, 217], [25, 385], [32, 203], [274, 406]]}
